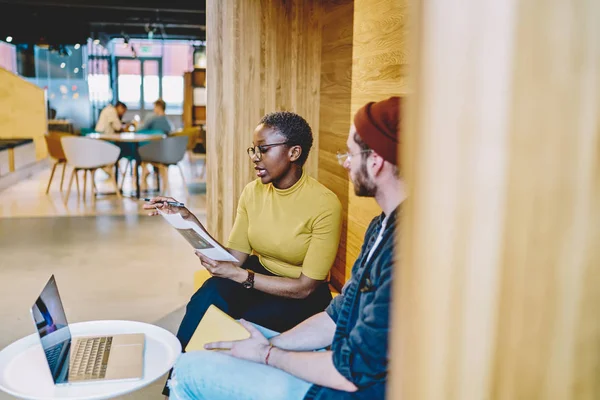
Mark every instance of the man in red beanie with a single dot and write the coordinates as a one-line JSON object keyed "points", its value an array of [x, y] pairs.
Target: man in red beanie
{"points": [[354, 328]]}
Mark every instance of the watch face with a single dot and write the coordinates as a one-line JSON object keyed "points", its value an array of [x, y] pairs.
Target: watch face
{"points": [[247, 285]]}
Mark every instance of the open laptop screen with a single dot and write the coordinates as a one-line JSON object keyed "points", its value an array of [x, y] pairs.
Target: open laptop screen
{"points": [[51, 323]]}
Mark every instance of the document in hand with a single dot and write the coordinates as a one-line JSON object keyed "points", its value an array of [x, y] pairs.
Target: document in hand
{"points": [[216, 326], [198, 238]]}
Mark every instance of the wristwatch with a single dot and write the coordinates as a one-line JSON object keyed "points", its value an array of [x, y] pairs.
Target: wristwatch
{"points": [[249, 282]]}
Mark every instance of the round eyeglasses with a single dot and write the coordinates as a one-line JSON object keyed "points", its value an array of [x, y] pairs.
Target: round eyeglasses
{"points": [[342, 157], [260, 149]]}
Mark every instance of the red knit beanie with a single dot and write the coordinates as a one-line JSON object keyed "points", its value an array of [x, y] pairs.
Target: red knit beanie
{"points": [[378, 126]]}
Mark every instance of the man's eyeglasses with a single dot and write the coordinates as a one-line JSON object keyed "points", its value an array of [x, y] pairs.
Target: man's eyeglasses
{"points": [[343, 156], [259, 150]]}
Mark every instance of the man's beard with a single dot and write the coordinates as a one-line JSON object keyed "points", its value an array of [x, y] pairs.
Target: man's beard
{"points": [[363, 186]]}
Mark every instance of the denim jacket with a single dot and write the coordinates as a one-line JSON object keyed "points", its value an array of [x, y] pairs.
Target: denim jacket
{"points": [[361, 313]]}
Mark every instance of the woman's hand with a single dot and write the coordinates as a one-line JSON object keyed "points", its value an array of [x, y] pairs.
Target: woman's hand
{"points": [[222, 269], [255, 348], [160, 203]]}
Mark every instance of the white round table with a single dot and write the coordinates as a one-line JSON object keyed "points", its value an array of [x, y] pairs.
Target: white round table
{"points": [[24, 372]]}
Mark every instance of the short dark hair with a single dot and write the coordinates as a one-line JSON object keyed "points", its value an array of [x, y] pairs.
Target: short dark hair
{"points": [[120, 103], [161, 103], [363, 146], [294, 128]]}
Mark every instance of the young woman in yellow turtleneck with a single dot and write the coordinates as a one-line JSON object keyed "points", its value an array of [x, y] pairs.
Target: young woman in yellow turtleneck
{"points": [[286, 236]]}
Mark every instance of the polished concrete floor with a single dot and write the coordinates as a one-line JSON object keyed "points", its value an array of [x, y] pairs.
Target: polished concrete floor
{"points": [[111, 261]]}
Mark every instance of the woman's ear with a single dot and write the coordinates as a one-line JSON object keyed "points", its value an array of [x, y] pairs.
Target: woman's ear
{"points": [[295, 153]]}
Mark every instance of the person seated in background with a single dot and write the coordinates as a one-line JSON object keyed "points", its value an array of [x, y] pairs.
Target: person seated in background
{"points": [[285, 235], [110, 118], [356, 323], [158, 120]]}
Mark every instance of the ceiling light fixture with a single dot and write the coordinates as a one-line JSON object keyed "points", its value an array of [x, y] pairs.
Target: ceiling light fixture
{"points": [[9, 39]]}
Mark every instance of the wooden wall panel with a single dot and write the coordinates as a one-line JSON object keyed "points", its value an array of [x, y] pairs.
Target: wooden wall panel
{"points": [[379, 70], [263, 56], [498, 287], [334, 115], [23, 111]]}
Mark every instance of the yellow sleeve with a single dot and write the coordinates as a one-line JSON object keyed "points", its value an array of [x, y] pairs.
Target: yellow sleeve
{"points": [[238, 238], [324, 243]]}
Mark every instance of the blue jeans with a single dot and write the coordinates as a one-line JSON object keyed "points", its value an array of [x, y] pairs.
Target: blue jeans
{"points": [[210, 375]]}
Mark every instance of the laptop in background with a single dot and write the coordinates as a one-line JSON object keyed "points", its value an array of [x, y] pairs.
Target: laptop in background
{"points": [[83, 359]]}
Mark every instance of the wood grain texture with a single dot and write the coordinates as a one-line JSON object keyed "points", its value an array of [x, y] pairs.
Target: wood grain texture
{"points": [[498, 287], [379, 70], [334, 113], [188, 100], [23, 111], [263, 56]]}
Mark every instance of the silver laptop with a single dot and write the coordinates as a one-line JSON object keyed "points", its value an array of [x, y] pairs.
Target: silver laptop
{"points": [[83, 359]]}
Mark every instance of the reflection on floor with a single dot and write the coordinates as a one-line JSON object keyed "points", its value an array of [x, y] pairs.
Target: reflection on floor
{"points": [[110, 260]]}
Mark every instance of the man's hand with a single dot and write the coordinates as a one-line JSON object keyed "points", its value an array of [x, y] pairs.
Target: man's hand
{"points": [[254, 348], [222, 269]]}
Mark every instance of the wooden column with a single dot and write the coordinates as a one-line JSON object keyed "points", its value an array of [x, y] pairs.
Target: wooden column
{"points": [[363, 59], [379, 71], [263, 56], [498, 282], [334, 117]]}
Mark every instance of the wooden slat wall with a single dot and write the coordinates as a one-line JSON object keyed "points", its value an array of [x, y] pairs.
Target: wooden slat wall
{"points": [[263, 56], [336, 92], [379, 71], [499, 271]]}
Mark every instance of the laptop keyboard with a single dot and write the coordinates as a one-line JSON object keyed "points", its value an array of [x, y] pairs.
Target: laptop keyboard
{"points": [[90, 358], [52, 355]]}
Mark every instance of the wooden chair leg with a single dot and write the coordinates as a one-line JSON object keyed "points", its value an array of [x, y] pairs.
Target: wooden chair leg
{"points": [[11, 160], [114, 180], [94, 189], [51, 176], [85, 174], [62, 178], [165, 174], [77, 182], [124, 174], [70, 185], [145, 174], [187, 191]]}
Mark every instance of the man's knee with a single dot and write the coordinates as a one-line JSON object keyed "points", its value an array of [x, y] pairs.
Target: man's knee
{"points": [[195, 370]]}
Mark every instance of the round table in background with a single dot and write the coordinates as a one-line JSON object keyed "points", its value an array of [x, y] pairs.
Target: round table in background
{"points": [[24, 372], [128, 137]]}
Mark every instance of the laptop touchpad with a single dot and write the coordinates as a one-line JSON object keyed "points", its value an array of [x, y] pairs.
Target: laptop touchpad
{"points": [[125, 362]]}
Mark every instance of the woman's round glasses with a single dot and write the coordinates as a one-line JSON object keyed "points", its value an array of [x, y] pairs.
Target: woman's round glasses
{"points": [[259, 150]]}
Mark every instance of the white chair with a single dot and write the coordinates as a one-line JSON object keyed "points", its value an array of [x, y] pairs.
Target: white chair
{"points": [[89, 155]]}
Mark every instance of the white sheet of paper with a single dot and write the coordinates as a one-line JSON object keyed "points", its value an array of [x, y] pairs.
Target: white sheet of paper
{"points": [[199, 239]]}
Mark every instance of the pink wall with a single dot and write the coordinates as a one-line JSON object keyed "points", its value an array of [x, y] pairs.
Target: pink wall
{"points": [[8, 57]]}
